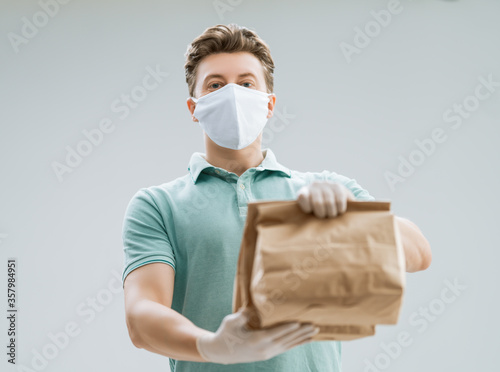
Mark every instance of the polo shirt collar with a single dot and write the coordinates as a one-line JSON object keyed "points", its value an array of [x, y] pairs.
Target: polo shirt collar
{"points": [[198, 164]]}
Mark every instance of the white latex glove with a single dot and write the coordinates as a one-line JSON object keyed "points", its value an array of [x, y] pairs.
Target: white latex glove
{"points": [[233, 342], [324, 198]]}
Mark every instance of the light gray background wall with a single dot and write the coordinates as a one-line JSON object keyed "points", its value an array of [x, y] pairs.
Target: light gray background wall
{"points": [[357, 118]]}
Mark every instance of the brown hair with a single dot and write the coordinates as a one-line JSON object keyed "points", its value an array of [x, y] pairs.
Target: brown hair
{"points": [[227, 39]]}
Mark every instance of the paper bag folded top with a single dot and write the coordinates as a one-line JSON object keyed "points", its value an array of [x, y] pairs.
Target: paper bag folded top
{"points": [[345, 274]]}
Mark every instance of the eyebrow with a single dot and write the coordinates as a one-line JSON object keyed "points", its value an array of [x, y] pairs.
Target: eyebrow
{"points": [[222, 77]]}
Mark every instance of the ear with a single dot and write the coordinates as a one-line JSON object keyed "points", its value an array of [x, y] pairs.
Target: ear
{"points": [[191, 106], [270, 105]]}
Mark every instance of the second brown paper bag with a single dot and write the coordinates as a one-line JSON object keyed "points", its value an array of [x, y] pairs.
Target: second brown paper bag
{"points": [[344, 274]]}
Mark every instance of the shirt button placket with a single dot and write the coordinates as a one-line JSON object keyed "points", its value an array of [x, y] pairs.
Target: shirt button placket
{"points": [[243, 194]]}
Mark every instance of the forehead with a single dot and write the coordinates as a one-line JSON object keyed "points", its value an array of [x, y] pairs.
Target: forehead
{"points": [[229, 65]]}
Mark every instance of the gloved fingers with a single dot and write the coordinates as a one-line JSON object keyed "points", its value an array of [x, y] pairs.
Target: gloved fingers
{"points": [[266, 347], [350, 195], [279, 331], [331, 200], [303, 199], [289, 342], [341, 194], [317, 202], [298, 342], [324, 198], [303, 331]]}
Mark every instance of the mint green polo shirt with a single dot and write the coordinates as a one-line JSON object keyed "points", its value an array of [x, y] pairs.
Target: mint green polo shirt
{"points": [[195, 224]]}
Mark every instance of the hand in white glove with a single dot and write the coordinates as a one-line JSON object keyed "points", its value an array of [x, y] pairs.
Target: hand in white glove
{"points": [[324, 198], [233, 342]]}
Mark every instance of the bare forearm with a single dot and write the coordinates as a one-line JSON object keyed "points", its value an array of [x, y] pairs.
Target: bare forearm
{"points": [[164, 331], [417, 249]]}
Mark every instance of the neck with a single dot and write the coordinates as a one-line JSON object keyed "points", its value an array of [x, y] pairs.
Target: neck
{"points": [[236, 161]]}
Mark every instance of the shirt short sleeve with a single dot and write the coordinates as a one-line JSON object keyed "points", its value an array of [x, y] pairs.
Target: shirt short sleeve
{"points": [[145, 239], [359, 192]]}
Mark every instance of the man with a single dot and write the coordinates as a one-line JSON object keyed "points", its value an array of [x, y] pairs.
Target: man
{"points": [[182, 238]]}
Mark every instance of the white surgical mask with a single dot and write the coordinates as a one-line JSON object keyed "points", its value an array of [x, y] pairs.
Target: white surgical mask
{"points": [[232, 116]]}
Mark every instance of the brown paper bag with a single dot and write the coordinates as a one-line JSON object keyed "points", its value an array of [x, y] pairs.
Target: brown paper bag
{"points": [[344, 274]]}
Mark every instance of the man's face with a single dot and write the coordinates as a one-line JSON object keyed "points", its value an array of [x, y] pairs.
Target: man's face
{"points": [[217, 70]]}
